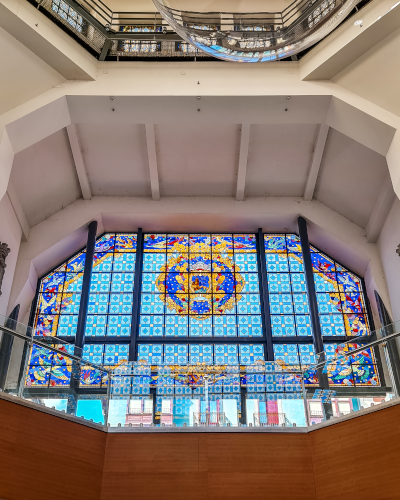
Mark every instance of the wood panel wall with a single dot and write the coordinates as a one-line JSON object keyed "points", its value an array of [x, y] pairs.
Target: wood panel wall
{"points": [[358, 459], [43, 457], [208, 466]]}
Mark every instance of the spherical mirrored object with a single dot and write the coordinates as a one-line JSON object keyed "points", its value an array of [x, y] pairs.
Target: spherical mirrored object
{"points": [[243, 31]]}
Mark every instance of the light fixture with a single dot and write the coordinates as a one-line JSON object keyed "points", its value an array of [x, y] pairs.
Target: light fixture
{"points": [[359, 22]]}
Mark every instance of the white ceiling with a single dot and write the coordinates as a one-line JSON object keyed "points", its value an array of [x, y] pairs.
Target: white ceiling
{"points": [[350, 177], [194, 160], [45, 177], [197, 154], [118, 164], [279, 159]]}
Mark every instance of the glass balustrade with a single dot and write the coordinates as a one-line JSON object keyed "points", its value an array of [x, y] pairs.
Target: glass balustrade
{"points": [[347, 378]]}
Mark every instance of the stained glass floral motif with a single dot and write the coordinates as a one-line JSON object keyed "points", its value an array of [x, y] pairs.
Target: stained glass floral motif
{"points": [[358, 370], [59, 299], [288, 297], [340, 298], [200, 285], [111, 286], [47, 368]]}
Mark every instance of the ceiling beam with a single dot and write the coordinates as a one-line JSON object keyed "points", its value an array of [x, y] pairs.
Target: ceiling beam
{"points": [[18, 210], [152, 155], [79, 161], [316, 162], [381, 210], [243, 157]]}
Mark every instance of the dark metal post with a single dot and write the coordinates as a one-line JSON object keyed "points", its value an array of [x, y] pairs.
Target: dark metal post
{"points": [[265, 311], [243, 408], [314, 313], [136, 295], [6, 346], [80, 329], [87, 276]]}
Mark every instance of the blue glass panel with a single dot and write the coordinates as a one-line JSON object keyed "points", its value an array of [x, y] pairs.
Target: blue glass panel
{"points": [[200, 328], [151, 326], [200, 353], [176, 325], [278, 282], [67, 325], [250, 326], [176, 354], [332, 324], [119, 326], [225, 326], [96, 325], [303, 325], [250, 353], [280, 303], [249, 304], [283, 326]]}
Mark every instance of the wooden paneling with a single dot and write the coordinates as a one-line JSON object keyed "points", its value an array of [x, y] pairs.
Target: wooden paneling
{"points": [[358, 459], [208, 466], [43, 457]]}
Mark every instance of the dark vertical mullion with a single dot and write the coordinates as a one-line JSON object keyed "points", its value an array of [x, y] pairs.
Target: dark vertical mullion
{"points": [[136, 296], [373, 331], [312, 295], [265, 310], [314, 312], [87, 275]]}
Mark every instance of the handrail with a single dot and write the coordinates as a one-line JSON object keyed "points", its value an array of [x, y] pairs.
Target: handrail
{"points": [[374, 343], [33, 340]]}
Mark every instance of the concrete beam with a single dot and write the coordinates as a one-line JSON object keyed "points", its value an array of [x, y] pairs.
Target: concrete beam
{"points": [[316, 162], [18, 210], [79, 161], [152, 155], [47, 40], [380, 211], [348, 42], [243, 156]]}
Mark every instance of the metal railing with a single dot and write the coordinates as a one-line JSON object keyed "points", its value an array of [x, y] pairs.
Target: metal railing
{"points": [[270, 420], [102, 30], [208, 418]]}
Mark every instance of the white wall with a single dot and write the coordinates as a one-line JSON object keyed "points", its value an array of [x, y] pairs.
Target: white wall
{"points": [[387, 243], [10, 233]]}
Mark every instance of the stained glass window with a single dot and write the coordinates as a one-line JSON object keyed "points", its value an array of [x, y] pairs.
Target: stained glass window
{"points": [[68, 13], [48, 368], [204, 287], [340, 298], [218, 354], [200, 285], [288, 297], [59, 299], [111, 286], [139, 46], [360, 369]]}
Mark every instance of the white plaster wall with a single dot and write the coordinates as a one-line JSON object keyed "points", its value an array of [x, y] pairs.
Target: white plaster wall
{"points": [[387, 243], [10, 233]]}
